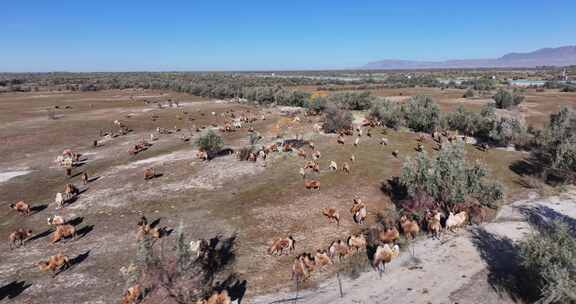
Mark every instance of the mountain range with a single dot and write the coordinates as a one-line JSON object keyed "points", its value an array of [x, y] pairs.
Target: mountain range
{"points": [[560, 56]]}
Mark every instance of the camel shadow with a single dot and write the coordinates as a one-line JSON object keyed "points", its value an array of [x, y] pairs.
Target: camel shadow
{"points": [[93, 179], [37, 236], [75, 221], [82, 232], [38, 208], [13, 289], [79, 259]]}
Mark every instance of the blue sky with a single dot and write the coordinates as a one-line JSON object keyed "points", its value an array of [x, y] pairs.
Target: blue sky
{"points": [[126, 35]]}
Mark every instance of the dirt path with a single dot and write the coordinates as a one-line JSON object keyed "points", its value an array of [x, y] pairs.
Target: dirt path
{"points": [[472, 266]]}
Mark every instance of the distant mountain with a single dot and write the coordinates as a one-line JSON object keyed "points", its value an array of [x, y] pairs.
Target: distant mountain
{"points": [[561, 56]]}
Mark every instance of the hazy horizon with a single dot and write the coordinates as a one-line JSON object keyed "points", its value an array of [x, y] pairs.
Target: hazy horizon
{"points": [[265, 36]]}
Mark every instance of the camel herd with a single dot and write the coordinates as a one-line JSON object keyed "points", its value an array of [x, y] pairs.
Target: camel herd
{"points": [[383, 244]]}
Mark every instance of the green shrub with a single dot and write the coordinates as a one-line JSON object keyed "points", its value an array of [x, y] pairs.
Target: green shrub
{"points": [[422, 114], [210, 142], [557, 142], [352, 100], [505, 99], [550, 260], [388, 113], [337, 119], [469, 93], [448, 178]]}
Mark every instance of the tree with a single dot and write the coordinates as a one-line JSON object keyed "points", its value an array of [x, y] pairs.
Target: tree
{"points": [[422, 114], [448, 179], [388, 113], [505, 99], [337, 119], [469, 93], [210, 142], [549, 259]]}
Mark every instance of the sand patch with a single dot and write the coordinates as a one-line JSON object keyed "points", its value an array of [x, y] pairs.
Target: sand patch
{"points": [[7, 175]]}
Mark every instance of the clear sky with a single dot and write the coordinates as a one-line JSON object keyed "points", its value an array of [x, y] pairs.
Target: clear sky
{"points": [[122, 35]]}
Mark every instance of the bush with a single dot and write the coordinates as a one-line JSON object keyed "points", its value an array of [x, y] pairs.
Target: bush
{"points": [[549, 259], [448, 179], [505, 99], [422, 114], [175, 275], [337, 119], [557, 143], [469, 93], [506, 131], [210, 142], [352, 100], [388, 113], [466, 122]]}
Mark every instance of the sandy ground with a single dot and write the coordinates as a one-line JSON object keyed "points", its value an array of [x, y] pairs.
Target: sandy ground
{"points": [[475, 265]]}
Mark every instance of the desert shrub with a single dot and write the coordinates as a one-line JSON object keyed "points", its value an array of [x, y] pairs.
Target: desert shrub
{"points": [[388, 113], [337, 119], [176, 275], [316, 105], [466, 122], [469, 93], [352, 100], [557, 143], [550, 261], [505, 99], [506, 131], [481, 84], [422, 114], [292, 98], [210, 142], [448, 178]]}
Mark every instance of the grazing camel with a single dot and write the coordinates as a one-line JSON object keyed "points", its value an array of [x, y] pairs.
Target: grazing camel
{"points": [[58, 262], [338, 249], [312, 185], [21, 207], [332, 215], [383, 255], [303, 173], [59, 200], [346, 168], [357, 242], [410, 228], [279, 245], [333, 166], [420, 147], [384, 141], [149, 173], [322, 258], [340, 139], [434, 224], [85, 178], [389, 235], [352, 158], [56, 220], [217, 298], [316, 155], [299, 270], [132, 295], [359, 211], [455, 221], [18, 237], [63, 231], [356, 141], [396, 153]]}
